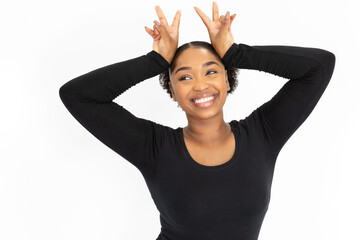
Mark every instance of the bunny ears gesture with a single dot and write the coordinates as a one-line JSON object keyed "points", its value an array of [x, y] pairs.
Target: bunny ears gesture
{"points": [[219, 29], [166, 36]]}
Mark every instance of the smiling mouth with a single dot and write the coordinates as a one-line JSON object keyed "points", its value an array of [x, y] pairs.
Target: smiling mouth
{"points": [[205, 102]]}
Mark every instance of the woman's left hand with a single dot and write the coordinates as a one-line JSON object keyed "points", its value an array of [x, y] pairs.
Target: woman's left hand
{"points": [[219, 29]]}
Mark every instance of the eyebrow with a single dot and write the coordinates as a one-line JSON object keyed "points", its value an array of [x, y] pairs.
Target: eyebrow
{"points": [[204, 65]]}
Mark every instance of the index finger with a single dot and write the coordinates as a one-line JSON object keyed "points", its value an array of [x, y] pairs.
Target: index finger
{"points": [[203, 16], [215, 12], [161, 15], [176, 20]]}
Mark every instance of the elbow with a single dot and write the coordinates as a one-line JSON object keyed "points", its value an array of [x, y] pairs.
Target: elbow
{"points": [[327, 60], [330, 65], [63, 92], [67, 92]]}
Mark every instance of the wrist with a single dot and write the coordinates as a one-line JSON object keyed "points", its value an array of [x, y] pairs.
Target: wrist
{"points": [[161, 55], [168, 57], [158, 58], [222, 51]]}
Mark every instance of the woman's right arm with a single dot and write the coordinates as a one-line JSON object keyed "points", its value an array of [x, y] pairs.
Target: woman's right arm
{"points": [[89, 98]]}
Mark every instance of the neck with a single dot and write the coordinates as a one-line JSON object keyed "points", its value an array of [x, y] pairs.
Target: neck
{"points": [[210, 130]]}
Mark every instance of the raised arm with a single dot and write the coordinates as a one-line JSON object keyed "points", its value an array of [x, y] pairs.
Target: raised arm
{"points": [[309, 71], [89, 98]]}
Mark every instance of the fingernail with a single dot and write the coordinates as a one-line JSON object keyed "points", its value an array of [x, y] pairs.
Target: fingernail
{"points": [[157, 23], [227, 16]]}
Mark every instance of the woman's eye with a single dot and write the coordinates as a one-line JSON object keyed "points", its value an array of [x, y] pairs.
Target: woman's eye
{"points": [[183, 77]]}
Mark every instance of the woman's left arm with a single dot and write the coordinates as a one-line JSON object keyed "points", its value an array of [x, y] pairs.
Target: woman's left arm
{"points": [[309, 71]]}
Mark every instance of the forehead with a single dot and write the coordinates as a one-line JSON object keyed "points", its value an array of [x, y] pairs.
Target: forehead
{"points": [[195, 57]]}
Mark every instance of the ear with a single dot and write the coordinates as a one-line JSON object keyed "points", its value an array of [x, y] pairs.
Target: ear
{"points": [[172, 92], [227, 81]]}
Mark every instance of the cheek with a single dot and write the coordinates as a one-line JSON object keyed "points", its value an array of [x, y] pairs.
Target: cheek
{"points": [[221, 84], [180, 91], [183, 93]]}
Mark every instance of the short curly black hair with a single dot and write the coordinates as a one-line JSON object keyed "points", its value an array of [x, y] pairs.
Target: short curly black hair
{"points": [[232, 72]]}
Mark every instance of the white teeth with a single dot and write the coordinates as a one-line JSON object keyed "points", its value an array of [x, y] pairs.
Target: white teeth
{"points": [[201, 100]]}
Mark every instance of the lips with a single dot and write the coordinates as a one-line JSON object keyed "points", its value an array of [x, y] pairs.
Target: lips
{"points": [[206, 103], [204, 95]]}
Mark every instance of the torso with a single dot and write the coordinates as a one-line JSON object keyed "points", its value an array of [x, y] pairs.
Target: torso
{"points": [[212, 156]]}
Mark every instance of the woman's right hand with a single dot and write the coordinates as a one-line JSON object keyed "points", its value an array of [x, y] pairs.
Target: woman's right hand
{"points": [[165, 37]]}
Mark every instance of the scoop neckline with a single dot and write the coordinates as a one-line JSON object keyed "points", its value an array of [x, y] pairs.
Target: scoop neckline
{"points": [[216, 167]]}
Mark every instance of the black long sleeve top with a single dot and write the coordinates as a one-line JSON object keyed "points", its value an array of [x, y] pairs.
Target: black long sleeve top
{"points": [[227, 201]]}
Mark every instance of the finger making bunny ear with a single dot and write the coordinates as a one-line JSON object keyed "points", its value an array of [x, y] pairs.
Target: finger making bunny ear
{"points": [[162, 29], [225, 21], [219, 28], [216, 14], [222, 18], [154, 33], [165, 36]]}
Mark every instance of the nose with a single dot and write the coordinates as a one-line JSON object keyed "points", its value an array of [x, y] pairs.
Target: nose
{"points": [[200, 84]]}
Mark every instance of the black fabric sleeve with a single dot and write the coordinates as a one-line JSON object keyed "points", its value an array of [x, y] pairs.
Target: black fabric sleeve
{"points": [[309, 71], [89, 98]]}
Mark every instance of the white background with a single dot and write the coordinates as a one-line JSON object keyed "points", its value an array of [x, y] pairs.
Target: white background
{"points": [[57, 181]]}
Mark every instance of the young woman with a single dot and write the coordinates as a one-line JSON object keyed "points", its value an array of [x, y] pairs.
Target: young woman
{"points": [[211, 179]]}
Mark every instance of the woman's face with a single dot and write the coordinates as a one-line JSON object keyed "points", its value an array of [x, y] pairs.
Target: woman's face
{"points": [[198, 74]]}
